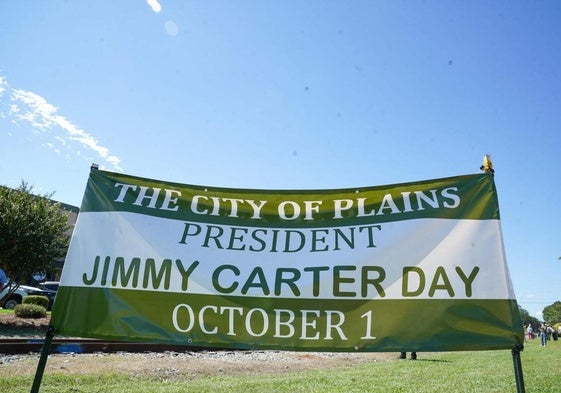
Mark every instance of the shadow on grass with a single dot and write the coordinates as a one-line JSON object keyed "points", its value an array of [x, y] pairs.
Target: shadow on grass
{"points": [[433, 360]]}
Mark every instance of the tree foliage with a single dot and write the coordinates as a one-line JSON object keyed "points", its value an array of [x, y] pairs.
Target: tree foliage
{"points": [[527, 319], [32, 232], [524, 315], [552, 313]]}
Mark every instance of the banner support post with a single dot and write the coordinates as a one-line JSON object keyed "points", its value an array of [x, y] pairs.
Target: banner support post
{"points": [[518, 368], [45, 351], [487, 167]]}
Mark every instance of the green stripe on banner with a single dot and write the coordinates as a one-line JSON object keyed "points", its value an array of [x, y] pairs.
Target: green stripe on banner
{"points": [[273, 323], [468, 197]]}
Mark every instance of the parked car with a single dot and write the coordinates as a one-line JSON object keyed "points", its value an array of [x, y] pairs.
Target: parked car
{"points": [[25, 290], [49, 285], [14, 299], [51, 288]]}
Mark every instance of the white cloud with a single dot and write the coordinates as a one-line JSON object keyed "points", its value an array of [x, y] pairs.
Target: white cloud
{"points": [[53, 148], [155, 5], [2, 85], [28, 108]]}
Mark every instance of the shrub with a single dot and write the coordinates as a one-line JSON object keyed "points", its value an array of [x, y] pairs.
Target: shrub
{"points": [[38, 300], [30, 311]]}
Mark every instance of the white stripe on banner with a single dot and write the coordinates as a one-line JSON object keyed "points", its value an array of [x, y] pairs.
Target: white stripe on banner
{"points": [[414, 259]]}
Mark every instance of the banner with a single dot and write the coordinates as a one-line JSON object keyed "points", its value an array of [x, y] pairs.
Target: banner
{"points": [[406, 267]]}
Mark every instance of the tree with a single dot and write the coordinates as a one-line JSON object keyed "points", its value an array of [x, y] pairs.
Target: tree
{"points": [[524, 315], [527, 319], [552, 313], [33, 233]]}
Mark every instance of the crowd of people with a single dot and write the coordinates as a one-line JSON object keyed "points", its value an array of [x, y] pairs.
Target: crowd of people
{"points": [[545, 333]]}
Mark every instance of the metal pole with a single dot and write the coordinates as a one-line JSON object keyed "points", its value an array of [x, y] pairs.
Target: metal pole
{"points": [[45, 351], [518, 368]]}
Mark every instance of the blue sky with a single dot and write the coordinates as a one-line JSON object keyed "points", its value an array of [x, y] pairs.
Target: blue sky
{"points": [[294, 94]]}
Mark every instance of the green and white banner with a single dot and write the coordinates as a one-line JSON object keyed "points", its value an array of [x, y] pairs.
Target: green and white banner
{"points": [[406, 267]]}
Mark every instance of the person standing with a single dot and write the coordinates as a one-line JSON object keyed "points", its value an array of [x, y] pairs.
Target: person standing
{"points": [[530, 330], [3, 280], [543, 335], [403, 355], [549, 331]]}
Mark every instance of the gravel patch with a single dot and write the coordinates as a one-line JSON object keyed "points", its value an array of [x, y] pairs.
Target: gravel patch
{"points": [[181, 365], [169, 365]]}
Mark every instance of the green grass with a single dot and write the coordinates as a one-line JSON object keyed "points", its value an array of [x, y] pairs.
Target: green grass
{"points": [[5, 311], [488, 371]]}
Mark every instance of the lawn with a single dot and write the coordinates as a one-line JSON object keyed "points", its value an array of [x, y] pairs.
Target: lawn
{"points": [[486, 371]]}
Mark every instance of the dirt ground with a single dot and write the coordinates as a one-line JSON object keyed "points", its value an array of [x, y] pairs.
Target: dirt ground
{"points": [[12, 325], [169, 365], [175, 365]]}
